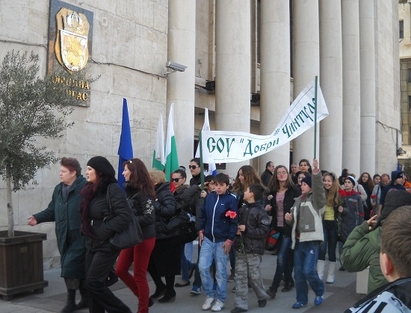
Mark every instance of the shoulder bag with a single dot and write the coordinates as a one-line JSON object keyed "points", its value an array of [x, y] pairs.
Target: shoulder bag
{"points": [[128, 237]]}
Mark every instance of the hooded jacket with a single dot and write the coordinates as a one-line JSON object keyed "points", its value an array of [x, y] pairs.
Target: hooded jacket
{"points": [[307, 211], [391, 186], [362, 248]]}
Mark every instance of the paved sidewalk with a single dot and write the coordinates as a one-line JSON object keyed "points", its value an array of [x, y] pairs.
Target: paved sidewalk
{"points": [[338, 296]]}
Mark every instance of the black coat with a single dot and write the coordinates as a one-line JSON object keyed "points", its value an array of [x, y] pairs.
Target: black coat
{"points": [[165, 207], [290, 195], [103, 224], [143, 208], [257, 226]]}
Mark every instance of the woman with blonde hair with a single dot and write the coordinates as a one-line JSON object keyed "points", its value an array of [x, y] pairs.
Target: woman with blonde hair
{"points": [[165, 258], [333, 202]]}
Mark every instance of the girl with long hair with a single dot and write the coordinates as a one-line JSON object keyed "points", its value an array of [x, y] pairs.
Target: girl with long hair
{"points": [[305, 166], [281, 200], [98, 223], [367, 182], [246, 176], [141, 195], [333, 202]]}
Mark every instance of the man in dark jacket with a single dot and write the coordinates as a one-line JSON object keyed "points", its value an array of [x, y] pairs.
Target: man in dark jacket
{"points": [[268, 173], [395, 258]]}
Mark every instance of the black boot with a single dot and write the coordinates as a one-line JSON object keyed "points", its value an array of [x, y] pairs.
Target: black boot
{"points": [[160, 290], [169, 296], [83, 304], [288, 286], [71, 302]]}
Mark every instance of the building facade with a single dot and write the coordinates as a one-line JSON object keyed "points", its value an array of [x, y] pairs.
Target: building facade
{"points": [[246, 61]]}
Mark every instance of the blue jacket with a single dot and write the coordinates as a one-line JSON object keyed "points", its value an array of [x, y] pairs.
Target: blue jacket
{"points": [[216, 226], [390, 187]]}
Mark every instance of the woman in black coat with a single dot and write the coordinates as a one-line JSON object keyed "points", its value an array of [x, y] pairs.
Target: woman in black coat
{"points": [[281, 200], [165, 258], [140, 194], [97, 225]]}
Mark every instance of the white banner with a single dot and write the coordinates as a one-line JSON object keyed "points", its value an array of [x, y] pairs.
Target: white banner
{"points": [[228, 147]]}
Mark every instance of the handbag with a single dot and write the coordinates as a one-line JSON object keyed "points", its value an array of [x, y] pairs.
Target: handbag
{"points": [[341, 231], [188, 232], [130, 235], [182, 225], [111, 278], [271, 240]]}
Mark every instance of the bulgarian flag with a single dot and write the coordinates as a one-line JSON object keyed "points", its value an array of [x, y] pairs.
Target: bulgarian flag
{"points": [[171, 147], [159, 159], [212, 169]]}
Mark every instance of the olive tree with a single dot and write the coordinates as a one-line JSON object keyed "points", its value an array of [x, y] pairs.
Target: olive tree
{"points": [[31, 107]]}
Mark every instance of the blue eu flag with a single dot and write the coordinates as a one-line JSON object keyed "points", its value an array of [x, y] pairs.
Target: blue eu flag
{"points": [[125, 149]]}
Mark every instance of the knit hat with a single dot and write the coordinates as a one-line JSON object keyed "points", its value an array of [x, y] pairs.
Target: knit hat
{"points": [[352, 179], [393, 200], [102, 165], [396, 174], [307, 180]]}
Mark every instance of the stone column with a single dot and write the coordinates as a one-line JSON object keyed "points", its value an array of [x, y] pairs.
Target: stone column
{"points": [[368, 94], [306, 57], [274, 73], [233, 62], [351, 86], [331, 84], [180, 86]]}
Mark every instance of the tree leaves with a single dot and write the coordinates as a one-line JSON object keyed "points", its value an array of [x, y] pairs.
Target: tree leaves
{"points": [[30, 107]]}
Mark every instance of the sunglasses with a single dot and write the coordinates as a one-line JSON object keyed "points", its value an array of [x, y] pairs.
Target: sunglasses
{"points": [[192, 167], [176, 179]]}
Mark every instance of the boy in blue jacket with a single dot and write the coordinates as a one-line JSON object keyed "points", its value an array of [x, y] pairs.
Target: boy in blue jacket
{"points": [[217, 230]]}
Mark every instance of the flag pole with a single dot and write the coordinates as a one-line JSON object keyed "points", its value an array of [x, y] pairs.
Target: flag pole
{"points": [[201, 160], [315, 117]]}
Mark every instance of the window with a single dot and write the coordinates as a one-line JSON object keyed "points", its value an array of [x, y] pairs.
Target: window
{"points": [[401, 29]]}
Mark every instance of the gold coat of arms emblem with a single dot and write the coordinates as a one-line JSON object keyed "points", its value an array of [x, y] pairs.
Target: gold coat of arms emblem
{"points": [[71, 45]]}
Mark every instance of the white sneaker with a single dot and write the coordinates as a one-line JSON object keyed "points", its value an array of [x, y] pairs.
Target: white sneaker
{"points": [[218, 306], [208, 303]]}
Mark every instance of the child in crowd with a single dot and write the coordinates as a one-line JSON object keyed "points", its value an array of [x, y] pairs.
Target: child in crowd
{"points": [[307, 235], [249, 244], [395, 260], [217, 230]]}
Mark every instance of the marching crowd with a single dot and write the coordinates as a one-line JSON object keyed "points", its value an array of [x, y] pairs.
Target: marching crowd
{"points": [[309, 216]]}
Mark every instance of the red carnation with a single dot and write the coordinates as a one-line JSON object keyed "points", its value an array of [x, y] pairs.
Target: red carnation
{"points": [[231, 214]]}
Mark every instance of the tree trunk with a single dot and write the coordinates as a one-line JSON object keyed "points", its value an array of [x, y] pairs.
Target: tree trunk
{"points": [[10, 213]]}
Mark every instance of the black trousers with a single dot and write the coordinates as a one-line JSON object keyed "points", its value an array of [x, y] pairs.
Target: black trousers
{"points": [[101, 298]]}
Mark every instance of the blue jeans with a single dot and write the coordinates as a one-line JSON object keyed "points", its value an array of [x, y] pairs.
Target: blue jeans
{"points": [[186, 264], [305, 269], [283, 263], [213, 251], [330, 241]]}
